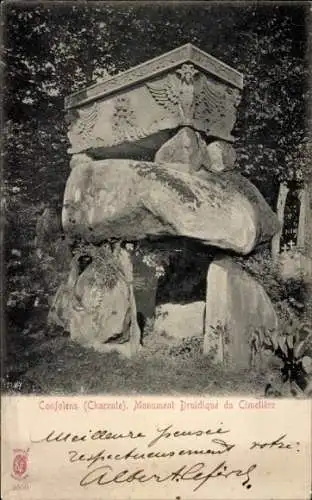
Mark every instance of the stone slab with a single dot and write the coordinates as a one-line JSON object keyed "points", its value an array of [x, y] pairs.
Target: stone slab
{"points": [[180, 320], [236, 306], [131, 200]]}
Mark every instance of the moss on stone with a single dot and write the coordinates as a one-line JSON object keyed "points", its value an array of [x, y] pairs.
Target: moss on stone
{"points": [[168, 179], [106, 269]]}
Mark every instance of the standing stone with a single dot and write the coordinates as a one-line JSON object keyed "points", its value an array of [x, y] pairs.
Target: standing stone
{"points": [[236, 306], [280, 211], [103, 314], [97, 305]]}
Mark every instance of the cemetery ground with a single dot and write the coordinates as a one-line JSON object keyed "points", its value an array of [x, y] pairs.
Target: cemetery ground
{"points": [[47, 364], [38, 359], [42, 360]]}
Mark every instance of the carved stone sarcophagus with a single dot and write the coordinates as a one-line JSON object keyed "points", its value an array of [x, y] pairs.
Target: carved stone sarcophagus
{"points": [[134, 113]]}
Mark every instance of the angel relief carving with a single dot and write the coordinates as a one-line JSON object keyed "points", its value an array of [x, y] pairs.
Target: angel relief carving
{"points": [[191, 95], [86, 122], [216, 104], [175, 93]]}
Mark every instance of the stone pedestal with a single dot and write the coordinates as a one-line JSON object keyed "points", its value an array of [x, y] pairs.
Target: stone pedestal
{"points": [[237, 307]]}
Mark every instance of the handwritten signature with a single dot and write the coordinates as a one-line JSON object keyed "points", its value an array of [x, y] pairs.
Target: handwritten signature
{"points": [[105, 475]]}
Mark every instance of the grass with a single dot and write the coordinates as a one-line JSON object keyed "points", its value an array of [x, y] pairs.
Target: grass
{"points": [[57, 365]]}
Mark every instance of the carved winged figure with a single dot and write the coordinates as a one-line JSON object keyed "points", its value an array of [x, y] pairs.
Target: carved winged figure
{"points": [[191, 94], [209, 97], [87, 121], [166, 93], [215, 104], [176, 92]]}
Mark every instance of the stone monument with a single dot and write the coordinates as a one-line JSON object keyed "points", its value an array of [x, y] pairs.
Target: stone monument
{"points": [[153, 157]]}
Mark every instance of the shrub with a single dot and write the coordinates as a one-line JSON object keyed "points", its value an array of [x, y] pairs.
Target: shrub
{"points": [[286, 295], [294, 349]]}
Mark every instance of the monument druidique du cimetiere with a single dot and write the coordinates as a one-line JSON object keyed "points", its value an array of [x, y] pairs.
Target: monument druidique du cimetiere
{"points": [[153, 162]]}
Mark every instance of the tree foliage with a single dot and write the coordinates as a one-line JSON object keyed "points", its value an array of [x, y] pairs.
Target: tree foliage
{"points": [[53, 50]]}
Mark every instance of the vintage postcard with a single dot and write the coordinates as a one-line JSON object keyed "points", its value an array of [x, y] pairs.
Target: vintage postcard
{"points": [[156, 250]]}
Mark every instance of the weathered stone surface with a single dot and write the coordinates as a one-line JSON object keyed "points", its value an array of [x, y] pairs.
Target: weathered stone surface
{"points": [[221, 156], [188, 147], [97, 305], [78, 159], [236, 306], [60, 311], [137, 111], [131, 200], [180, 321]]}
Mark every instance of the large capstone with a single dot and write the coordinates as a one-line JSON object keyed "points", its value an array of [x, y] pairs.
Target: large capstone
{"points": [[132, 200]]}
